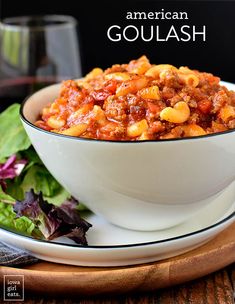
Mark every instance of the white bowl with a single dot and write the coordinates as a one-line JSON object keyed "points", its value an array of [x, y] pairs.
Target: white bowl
{"points": [[148, 185]]}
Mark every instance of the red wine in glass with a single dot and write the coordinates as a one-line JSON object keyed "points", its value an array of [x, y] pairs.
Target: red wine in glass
{"points": [[16, 90], [36, 51]]}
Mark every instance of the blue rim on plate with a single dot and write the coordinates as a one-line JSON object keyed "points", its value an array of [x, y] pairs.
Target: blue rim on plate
{"points": [[126, 245]]}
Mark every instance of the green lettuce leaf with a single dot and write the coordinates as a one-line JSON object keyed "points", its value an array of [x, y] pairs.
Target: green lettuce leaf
{"points": [[5, 198], [39, 179], [8, 216], [13, 136], [32, 157], [14, 188], [58, 198]]}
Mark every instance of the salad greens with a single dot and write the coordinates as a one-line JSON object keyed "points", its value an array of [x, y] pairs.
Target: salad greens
{"points": [[8, 216], [13, 136], [53, 221], [26, 187]]}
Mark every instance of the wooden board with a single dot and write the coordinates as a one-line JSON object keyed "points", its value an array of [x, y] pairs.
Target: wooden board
{"points": [[51, 278]]}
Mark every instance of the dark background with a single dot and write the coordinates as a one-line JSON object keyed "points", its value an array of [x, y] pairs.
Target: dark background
{"points": [[216, 55]]}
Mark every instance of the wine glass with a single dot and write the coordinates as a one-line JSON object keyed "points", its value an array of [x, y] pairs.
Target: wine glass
{"points": [[36, 51]]}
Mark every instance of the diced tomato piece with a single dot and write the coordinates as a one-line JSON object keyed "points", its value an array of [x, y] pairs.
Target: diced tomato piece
{"points": [[205, 106], [111, 86], [153, 107], [42, 125], [100, 95]]}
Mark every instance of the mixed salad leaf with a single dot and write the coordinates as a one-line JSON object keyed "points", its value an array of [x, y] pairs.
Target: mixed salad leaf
{"points": [[53, 221], [13, 136], [8, 216], [10, 169], [32, 202]]}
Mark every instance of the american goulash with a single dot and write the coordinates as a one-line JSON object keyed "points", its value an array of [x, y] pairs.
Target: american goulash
{"points": [[141, 101]]}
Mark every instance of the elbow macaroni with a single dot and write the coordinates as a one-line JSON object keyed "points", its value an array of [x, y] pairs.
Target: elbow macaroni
{"points": [[179, 114], [141, 101], [137, 129], [76, 130]]}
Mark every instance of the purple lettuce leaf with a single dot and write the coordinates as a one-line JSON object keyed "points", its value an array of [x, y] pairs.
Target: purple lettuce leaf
{"points": [[30, 206], [72, 225], [77, 235], [36, 209], [68, 211], [53, 221], [12, 167]]}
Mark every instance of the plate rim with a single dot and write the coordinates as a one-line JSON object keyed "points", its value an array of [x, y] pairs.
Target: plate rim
{"points": [[180, 267], [132, 245]]}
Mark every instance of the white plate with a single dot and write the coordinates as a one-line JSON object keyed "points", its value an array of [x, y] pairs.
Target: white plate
{"points": [[110, 245]]}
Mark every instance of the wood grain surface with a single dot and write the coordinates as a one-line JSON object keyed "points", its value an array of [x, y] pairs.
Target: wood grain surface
{"points": [[51, 278], [216, 288]]}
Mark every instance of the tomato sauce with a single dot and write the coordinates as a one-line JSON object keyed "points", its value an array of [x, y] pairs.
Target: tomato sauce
{"points": [[141, 101]]}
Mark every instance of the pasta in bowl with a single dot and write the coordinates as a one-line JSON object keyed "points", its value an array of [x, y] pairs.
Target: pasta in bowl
{"points": [[144, 159], [141, 101]]}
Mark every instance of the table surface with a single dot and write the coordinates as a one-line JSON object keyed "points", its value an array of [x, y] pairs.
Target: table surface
{"points": [[216, 288]]}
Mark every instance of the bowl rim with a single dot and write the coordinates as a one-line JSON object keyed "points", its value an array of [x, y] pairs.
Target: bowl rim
{"points": [[25, 120]]}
